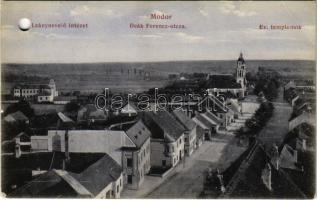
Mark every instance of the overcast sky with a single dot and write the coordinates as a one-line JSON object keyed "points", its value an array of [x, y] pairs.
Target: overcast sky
{"points": [[214, 31]]}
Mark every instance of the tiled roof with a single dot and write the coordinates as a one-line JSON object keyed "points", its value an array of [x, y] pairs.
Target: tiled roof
{"points": [[64, 98], [17, 116], [167, 122], [41, 187], [184, 119], [212, 117], [100, 174], [32, 86], [204, 121], [138, 133], [64, 118], [247, 180], [62, 183], [222, 81]]}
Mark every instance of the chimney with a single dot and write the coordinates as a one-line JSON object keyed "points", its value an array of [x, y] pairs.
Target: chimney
{"points": [[267, 176]]}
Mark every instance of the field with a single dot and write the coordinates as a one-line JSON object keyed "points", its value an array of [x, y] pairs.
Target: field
{"points": [[136, 77]]}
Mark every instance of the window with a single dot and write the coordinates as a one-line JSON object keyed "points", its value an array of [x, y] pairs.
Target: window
{"points": [[129, 179], [129, 162], [117, 188], [163, 163], [120, 183], [112, 193], [186, 139]]}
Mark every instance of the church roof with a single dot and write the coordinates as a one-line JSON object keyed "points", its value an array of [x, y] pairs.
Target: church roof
{"points": [[222, 81], [241, 58]]}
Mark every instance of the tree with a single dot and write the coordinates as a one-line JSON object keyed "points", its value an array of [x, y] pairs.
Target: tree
{"points": [[23, 106], [72, 107]]}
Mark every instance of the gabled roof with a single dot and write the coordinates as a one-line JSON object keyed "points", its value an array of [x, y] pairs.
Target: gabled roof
{"points": [[129, 108], [247, 180], [168, 123], [211, 102], [99, 175], [212, 118], [64, 118], [32, 86], [288, 158], [203, 122], [289, 85], [64, 98], [186, 121], [88, 183], [138, 133], [49, 184], [14, 117]]}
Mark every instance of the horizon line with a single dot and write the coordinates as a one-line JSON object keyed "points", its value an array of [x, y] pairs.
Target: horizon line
{"points": [[163, 61]]}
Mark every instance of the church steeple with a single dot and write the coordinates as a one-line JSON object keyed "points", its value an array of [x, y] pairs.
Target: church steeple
{"points": [[241, 71], [241, 59]]}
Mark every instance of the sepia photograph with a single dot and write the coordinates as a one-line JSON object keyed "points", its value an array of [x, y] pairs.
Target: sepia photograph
{"points": [[158, 99]]}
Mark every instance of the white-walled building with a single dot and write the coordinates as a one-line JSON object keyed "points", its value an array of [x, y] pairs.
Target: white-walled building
{"points": [[42, 92], [167, 138]]}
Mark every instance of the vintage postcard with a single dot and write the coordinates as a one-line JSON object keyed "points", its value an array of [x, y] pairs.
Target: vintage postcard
{"points": [[150, 99]]}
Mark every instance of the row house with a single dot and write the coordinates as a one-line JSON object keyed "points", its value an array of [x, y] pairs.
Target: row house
{"points": [[219, 108], [190, 136], [167, 138], [208, 122]]}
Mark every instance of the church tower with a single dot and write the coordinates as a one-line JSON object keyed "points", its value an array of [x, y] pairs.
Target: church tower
{"points": [[241, 71]]}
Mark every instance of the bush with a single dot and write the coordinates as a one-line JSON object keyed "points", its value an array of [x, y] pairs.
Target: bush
{"points": [[71, 107], [23, 106]]}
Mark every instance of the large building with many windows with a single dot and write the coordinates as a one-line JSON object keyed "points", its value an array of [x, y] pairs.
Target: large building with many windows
{"points": [[39, 92]]}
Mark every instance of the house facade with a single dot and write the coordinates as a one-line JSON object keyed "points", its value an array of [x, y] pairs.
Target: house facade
{"points": [[136, 161], [190, 133], [167, 138]]}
